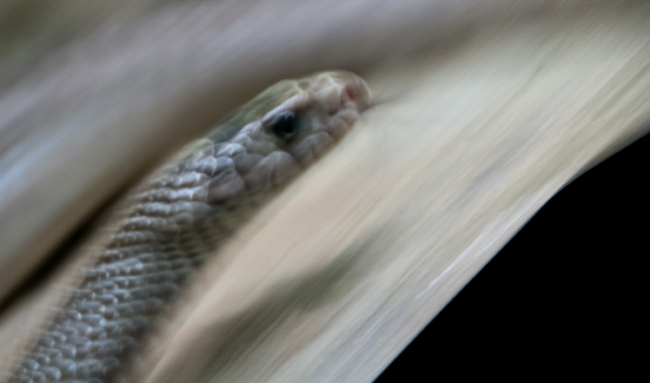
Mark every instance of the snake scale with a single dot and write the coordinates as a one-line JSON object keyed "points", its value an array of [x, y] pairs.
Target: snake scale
{"points": [[180, 215]]}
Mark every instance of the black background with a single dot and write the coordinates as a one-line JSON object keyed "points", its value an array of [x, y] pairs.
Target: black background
{"points": [[565, 296]]}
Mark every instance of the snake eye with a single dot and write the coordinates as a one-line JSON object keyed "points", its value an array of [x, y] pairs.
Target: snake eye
{"points": [[284, 125]]}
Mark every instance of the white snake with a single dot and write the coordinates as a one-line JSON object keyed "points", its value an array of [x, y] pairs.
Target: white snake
{"points": [[179, 217]]}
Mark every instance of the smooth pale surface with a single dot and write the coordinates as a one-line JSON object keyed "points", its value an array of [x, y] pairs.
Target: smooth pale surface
{"points": [[468, 140]]}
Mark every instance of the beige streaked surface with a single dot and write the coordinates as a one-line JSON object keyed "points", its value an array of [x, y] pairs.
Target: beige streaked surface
{"points": [[335, 277]]}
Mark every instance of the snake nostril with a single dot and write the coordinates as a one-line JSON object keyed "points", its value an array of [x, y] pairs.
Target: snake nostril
{"points": [[348, 95], [356, 93]]}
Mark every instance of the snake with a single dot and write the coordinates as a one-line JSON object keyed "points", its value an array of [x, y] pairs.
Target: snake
{"points": [[178, 218]]}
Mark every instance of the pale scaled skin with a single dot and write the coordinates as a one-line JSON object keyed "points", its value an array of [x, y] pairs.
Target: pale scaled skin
{"points": [[181, 215]]}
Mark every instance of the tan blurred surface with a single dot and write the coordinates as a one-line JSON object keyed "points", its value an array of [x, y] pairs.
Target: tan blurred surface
{"points": [[481, 117]]}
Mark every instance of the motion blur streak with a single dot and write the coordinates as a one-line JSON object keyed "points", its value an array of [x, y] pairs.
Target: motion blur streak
{"points": [[93, 93]]}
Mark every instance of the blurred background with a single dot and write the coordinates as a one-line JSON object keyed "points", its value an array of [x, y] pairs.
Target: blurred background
{"points": [[92, 94]]}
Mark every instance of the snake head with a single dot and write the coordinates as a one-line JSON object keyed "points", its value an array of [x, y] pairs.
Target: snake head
{"points": [[284, 130]]}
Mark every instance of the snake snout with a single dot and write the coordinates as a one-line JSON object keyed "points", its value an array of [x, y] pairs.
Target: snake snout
{"points": [[353, 91]]}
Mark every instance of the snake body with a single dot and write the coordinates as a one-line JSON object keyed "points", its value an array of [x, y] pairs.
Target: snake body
{"points": [[180, 216]]}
